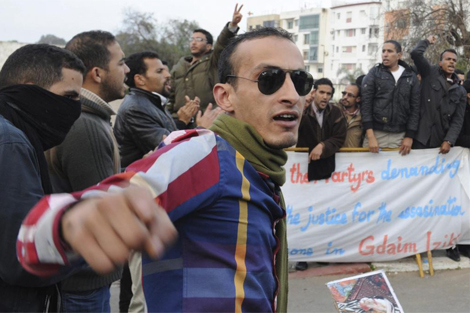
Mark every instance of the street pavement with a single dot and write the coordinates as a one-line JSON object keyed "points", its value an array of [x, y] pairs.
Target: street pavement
{"points": [[448, 291]]}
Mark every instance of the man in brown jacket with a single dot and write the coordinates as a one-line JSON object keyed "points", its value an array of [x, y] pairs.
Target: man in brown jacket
{"points": [[350, 103]]}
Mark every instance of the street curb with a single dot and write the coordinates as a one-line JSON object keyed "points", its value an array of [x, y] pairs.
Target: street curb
{"points": [[332, 269]]}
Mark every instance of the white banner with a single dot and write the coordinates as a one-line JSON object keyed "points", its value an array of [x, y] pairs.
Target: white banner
{"points": [[378, 207]]}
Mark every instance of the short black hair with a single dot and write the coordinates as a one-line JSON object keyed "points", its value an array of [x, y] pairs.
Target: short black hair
{"points": [[227, 64], [358, 88], [92, 48], [208, 35], [396, 44], [448, 50], [40, 64], [466, 85], [323, 81], [359, 80], [136, 64], [468, 75]]}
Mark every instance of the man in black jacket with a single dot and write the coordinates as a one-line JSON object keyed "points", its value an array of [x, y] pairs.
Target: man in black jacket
{"points": [[442, 99], [390, 102]]}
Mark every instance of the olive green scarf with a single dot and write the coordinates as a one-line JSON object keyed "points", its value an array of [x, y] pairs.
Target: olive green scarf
{"points": [[246, 140]]}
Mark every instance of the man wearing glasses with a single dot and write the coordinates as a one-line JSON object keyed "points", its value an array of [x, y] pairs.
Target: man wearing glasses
{"points": [[193, 77], [390, 102], [220, 187], [350, 103]]}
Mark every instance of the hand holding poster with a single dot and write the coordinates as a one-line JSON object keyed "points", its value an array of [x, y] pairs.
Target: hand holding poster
{"points": [[378, 207]]}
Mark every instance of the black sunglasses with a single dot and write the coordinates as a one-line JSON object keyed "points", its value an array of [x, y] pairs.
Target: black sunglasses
{"points": [[269, 81]]}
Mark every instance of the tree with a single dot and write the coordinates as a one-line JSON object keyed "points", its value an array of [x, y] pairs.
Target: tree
{"points": [[142, 32], [449, 19], [348, 76], [52, 40]]}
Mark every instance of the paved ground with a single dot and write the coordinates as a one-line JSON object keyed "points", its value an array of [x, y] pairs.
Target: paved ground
{"points": [[447, 291]]}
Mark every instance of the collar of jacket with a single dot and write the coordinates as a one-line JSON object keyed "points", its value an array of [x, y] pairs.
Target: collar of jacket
{"points": [[204, 58], [93, 104], [408, 71], [309, 110], [155, 99], [454, 77]]}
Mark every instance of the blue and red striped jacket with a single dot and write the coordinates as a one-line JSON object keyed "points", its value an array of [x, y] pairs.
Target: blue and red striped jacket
{"points": [[223, 209]]}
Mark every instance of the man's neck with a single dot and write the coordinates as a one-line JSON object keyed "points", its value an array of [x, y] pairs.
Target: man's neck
{"points": [[93, 88], [394, 68], [351, 109]]}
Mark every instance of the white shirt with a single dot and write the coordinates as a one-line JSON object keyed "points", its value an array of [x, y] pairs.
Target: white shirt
{"points": [[318, 114], [397, 73]]}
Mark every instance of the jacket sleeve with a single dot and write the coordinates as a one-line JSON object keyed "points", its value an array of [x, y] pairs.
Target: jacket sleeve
{"points": [[336, 140], [20, 190], [457, 118], [87, 154], [367, 99], [191, 154], [413, 119], [147, 130], [221, 43], [422, 64]]}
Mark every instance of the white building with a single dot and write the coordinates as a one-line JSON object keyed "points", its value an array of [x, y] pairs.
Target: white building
{"points": [[356, 36]]}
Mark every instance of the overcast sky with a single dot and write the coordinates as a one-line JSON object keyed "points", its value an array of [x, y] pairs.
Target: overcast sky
{"points": [[26, 20]]}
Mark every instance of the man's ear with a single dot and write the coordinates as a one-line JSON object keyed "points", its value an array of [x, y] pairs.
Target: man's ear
{"points": [[139, 80], [400, 54], [222, 95], [96, 74], [208, 47], [358, 99]]}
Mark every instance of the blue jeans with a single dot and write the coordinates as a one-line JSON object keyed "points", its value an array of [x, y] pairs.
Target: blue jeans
{"points": [[96, 300]]}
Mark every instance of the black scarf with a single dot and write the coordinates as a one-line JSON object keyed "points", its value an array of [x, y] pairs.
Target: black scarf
{"points": [[44, 117]]}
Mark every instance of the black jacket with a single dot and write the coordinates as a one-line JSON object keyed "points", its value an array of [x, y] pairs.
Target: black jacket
{"points": [[388, 106], [141, 122], [464, 137], [332, 134], [442, 108]]}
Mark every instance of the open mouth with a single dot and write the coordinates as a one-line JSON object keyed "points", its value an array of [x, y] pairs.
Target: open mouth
{"points": [[286, 117]]}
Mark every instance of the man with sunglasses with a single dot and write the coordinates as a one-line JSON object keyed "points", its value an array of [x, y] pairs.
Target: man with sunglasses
{"points": [[390, 102], [194, 76], [221, 188], [350, 103]]}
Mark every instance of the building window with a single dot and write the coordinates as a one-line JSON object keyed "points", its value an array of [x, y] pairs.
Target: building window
{"points": [[348, 66], [307, 68], [314, 37], [349, 49], [306, 39], [309, 22], [337, 49], [305, 52], [363, 48], [337, 33], [401, 23], [373, 48], [312, 55], [338, 16], [290, 24], [374, 32], [296, 23], [350, 32], [363, 31], [348, 17], [251, 27], [296, 37], [320, 70], [268, 23], [362, 14]]}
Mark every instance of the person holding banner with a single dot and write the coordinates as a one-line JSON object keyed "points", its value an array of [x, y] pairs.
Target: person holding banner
{"points": [[442, 99], [390, 102]]}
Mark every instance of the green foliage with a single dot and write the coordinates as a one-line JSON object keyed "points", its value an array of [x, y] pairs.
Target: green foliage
{"points": [[142, 32]]}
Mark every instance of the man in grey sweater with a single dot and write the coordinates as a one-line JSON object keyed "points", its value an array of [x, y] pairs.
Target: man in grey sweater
{"points": [[90, 152]]}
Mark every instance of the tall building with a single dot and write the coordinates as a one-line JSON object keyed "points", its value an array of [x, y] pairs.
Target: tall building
{"points": [[356, 37], [309, 28]]}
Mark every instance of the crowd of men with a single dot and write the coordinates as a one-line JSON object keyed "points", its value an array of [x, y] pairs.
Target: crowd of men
{"points": [[200, 221]]}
